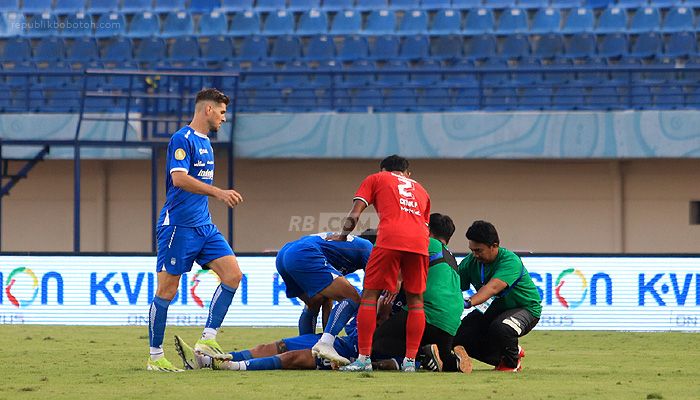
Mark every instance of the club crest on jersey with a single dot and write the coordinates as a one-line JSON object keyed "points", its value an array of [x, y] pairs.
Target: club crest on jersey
{"points": [[180, 154]]}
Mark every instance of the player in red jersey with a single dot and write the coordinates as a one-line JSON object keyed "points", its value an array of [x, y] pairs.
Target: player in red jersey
{"points": [[403, 206]]}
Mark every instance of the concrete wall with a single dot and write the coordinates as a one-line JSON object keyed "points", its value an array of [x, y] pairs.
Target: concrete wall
{"points": [[543, 206]]}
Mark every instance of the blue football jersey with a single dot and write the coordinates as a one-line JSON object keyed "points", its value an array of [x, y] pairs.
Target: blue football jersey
{"points": [[191, 152], [347, 257]]}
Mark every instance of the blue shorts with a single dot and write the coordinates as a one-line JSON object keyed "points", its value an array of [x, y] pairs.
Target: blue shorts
{"points": [[304, 269], [180, 246], [346, 346]]}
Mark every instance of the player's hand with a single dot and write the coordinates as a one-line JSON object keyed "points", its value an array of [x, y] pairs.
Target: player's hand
{"points": [[387, 297], [337, 237], [230, 197]]}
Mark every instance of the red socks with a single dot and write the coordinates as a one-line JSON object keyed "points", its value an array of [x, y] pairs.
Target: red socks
{"points": [[415, 325]]}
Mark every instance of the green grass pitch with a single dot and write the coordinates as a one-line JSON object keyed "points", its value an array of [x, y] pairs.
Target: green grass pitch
{"points": [[68, 362]]}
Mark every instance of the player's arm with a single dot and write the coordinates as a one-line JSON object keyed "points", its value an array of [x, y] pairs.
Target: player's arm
{"points": [[188, 183], [350, 222], [493, 287]]}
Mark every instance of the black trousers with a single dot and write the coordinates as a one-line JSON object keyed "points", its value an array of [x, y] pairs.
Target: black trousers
{"points": [[493, 337], [389, 339]]}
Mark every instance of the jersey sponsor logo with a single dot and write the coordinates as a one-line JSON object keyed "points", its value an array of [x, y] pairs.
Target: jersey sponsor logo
{"points": [[180, 154], [206, 174], [199, 163], [210, 162], [203, 151]]}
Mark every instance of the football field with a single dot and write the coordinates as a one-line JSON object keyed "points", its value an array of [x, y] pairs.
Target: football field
{"points": [[67, 362]]}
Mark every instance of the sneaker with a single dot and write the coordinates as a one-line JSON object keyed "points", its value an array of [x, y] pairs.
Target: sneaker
{"points": [[409, 365], [162, 364], [221, 364], [358, 365], [431, 358], [504, 368], [464, 362], [326, 351], [208, 347], [190, 360]]}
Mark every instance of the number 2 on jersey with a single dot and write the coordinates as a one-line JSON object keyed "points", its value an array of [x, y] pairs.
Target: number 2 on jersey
{"points": [[405, 187]]}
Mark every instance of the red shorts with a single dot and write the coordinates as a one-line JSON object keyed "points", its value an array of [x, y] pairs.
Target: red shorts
{"points": [[384, 265]]}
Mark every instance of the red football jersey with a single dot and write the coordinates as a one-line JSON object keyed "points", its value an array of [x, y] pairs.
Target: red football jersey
{"points": [[403, 206]]}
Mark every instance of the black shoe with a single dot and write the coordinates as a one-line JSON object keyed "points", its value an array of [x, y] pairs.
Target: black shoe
{"points": [[431, 358]]}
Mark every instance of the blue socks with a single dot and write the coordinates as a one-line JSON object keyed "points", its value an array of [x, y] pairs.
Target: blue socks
{"points": [[340, 315], [266, 363], [241, 355], [223, 295], [157, 316], [307, 322]]}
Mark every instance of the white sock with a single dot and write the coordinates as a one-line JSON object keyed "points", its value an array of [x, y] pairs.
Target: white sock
{"points": [[327, 338], [209, 333], [203, 361], [156, 353], [234, 365]]}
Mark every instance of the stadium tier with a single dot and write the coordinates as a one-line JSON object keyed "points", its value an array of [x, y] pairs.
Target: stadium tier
{"points": [[354, 54]]}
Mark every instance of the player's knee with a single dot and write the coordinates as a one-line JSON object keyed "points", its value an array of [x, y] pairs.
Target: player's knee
{"points": [[166, 292], [233, 277]]}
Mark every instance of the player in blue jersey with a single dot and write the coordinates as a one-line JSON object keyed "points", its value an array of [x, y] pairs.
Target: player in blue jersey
{"points": [[313, 269], [185, 230]]}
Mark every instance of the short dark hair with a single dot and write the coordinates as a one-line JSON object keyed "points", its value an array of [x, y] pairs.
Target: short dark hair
{"points": [[483, 232], [441, 226], [394, 163], [211, 94]]}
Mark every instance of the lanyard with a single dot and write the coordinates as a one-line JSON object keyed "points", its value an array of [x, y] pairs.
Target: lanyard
{"points": [[482, 274]]}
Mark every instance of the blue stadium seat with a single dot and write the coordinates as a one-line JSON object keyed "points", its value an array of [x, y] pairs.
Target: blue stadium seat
{"points": [[213, 23], [143, 25], [150, 50], [499, 98], [581, 45], [117, 50], [50, 49], [338, 5], [204, 6], [313, 22], [184, 48], [594, 72], [295, 79], [102, 6], [286, 48], [631, 3], [664, 76], [279, 23], [431, 99], [217, 48], [303, 5], [263, 78], [253, 48], [354, 48], [19, 80], [384, 48], [446, 47], [515, 47], [480, 47], [606, 98], [460, 74], [499, 3], [579, 20], [366, 5], [613, 45], [404, 4], [625, 76], [647, 45], [168, 6], [362, 74], [236, 5], [83, 50], [535, 98], [569, 4], [666, 3], [398, 100], [414, 47], [77, 25], [568, 97], [414, 22], [668, 97], [347, 23], [44, 24], [136, 6], [533, 4], [320, 48], [270, 5], [17, 49], [645, 19], [381, 22], [612, 20], [36, 6], [466, 4], [479, 21], [245, 23], [51, 81], [12, 24], [178, 24], [435, 4], [559, 72], [69, 6], [446, 22], [394, 73], [110, 25], [426, 73], [549, 46], [679, 19], [546, 20], [9, 5], [513, 20], [681, 44]]}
